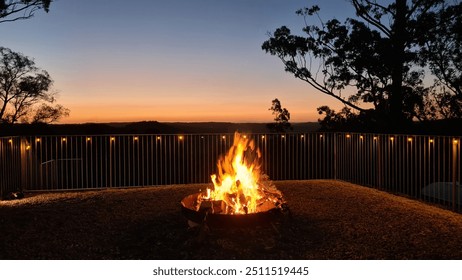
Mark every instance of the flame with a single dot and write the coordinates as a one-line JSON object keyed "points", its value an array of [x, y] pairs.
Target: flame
{"points": [[240, 182]]}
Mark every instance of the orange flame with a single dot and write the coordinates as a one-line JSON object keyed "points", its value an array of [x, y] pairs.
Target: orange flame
{"points": [[240, 183]]}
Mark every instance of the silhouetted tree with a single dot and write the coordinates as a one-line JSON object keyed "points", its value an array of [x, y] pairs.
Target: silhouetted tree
{"points": [[12, 10], [25, 91], [441, 51], [281, 117], [379, 56]]}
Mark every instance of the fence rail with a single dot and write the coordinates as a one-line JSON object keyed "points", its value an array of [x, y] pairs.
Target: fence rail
{"points": [[424, 167]]}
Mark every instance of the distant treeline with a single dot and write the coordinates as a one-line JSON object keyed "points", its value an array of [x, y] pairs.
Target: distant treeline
{"points": [[446, 127], [145, 127]]}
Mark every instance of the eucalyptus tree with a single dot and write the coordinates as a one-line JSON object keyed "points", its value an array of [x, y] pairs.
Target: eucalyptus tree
{"points": [[375, 63], [26, 91], [441, 52], [281, 117]]}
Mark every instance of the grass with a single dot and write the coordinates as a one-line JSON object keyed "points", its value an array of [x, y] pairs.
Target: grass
{"points": [[329, 220]]}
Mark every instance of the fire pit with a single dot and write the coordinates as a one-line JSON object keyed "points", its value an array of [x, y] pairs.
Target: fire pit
{"points": [[241, 194]]}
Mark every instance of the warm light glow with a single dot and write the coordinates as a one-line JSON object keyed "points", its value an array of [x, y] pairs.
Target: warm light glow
{"points": [[238, 182], [431, 140], [361, 137], [180, 137], [245, 136], [37, 140], [409, 139], [112, 138], [28, 147], [263, 137], [375, 138], [456, 141], [283, 136], [88, 139], [223, 137], [303, 136], [348, 136], [320, 136], [158, 137], [392, 138], [10, 141], [135, 138], [64, 139]]}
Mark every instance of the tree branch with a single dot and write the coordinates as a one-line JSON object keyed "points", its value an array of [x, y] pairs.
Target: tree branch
{"points": [[369, 19], [29, 9], [320, 87]]}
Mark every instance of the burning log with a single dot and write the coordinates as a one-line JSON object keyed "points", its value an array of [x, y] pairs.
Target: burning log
{"points": [[213, 206]]}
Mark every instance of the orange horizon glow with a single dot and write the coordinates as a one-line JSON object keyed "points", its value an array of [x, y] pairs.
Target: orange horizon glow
{"points": [[99, 117], [197, 106]]}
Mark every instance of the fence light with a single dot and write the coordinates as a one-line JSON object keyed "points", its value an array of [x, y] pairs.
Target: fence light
{"points": [[27, 147], [158, 137], [88, 139], [112, 138], [303, 136], [37, 140], [456, 141], [361, 137], [180, 137], [282, 136], [348, 136], [263, 137], [223, 137], [10, 141], [135, 138], [392, 138], [64, 139], [431, 140], [409, 139], [245, 136], [320, 136], [375, 138]]}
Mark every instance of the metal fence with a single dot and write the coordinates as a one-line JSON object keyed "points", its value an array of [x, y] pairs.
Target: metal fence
{"points": [[423, 167], [10, 165], [93, 162]]}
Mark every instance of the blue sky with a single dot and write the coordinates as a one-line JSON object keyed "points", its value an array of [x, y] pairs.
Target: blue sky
{"points": [[176, 60]]}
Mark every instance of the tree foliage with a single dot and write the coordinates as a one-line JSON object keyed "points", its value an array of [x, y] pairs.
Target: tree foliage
{"points": [[25, 91], [281, 117], [12, 10], [441, 51], [375, 64]]}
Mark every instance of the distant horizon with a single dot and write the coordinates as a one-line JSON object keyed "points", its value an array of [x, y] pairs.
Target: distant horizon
{"points": [[185, 122]]}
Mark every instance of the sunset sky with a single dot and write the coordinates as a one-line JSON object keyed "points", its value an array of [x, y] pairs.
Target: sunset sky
{"points": [[175, 60]]}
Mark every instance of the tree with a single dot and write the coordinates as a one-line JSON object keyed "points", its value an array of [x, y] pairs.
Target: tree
{"points": [[25, 91], [441, 49], [12, 10], [377, 56], [281, 117]]}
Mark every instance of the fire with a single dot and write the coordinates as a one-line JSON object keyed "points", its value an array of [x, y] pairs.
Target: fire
{"points": [[240, 187]]}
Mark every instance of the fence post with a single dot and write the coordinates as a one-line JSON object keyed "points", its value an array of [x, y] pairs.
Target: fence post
{"points": [[23, 150], [335, 155], [379, 163], [455, 145]]}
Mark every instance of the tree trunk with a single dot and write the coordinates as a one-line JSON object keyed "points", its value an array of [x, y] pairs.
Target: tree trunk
{"points": [[398, 59]]}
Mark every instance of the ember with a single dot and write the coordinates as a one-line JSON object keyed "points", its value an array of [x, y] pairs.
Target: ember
{"points": [[239, 187]]}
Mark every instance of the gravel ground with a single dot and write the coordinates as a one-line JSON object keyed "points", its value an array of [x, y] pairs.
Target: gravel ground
{"points": [[327, 220]]}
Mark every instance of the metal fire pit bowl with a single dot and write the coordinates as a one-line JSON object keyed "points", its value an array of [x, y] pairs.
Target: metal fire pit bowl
{"points": [[261, 218]]}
